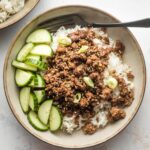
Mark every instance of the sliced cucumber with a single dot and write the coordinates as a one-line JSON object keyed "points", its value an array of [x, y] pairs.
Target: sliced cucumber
{"points": [[55, 119], [23, 77], [36, 63], [42, 50], [39, 36], [33, 102], [37, 82], [24, 99], [23, 66], [40, 94], [44, 111], [35, 122], [33, 57], [31, 84], [24, 52]]}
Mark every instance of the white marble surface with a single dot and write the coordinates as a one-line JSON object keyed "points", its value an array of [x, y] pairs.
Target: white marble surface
{"points": [[136, 135]]}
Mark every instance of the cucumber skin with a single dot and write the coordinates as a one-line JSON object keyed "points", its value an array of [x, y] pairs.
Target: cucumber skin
{"points": [[61, 119], [25, 83], [43, 96], [33, 57], [38, 78], [42, 80], [39, 64], [35, 127], [33, 84], [35, 102]]}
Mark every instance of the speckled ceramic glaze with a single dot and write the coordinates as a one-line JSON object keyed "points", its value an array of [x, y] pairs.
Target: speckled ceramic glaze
{"points": [[133, 56], [29, 5]]}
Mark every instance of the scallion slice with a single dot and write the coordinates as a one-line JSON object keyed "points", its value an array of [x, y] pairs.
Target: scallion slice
{"points": [[77, 98], [83, 49], [88, 81]]}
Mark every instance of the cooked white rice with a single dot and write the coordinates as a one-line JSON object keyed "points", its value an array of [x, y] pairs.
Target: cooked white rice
{"points": [[10, 7], [121, 69], [100, 119], [68, 124]]}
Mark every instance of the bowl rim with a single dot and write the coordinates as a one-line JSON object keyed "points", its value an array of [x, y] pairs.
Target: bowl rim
{"points": [[55, 143], [19, 18]]}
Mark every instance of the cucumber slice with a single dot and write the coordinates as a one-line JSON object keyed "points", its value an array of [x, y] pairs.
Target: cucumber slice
{"points": [[35, 122], [24, 99], [40, 94], [37, 82], [31, 84], [55, 119], [23, 66], [42, 50], [23, 77], [24, 52], [44, 111], [36, 63], [33, 57], [39, 36], [33, 102]]}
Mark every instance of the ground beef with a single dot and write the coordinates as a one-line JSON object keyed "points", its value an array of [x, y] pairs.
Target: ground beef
{"points": [[130, 75], [106, 93], [64, 78], [84, 102], [126, 95], [61, 49], [105, 40], [89, 128], [119, 47], [79, 70], [76, 36], [117, 113]]}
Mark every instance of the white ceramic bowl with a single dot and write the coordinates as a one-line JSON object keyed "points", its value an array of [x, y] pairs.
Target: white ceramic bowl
{"points": [[133, 57]]}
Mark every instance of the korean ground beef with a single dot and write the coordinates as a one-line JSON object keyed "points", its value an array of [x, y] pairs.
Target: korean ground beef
{"points": [[87, 79]]}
